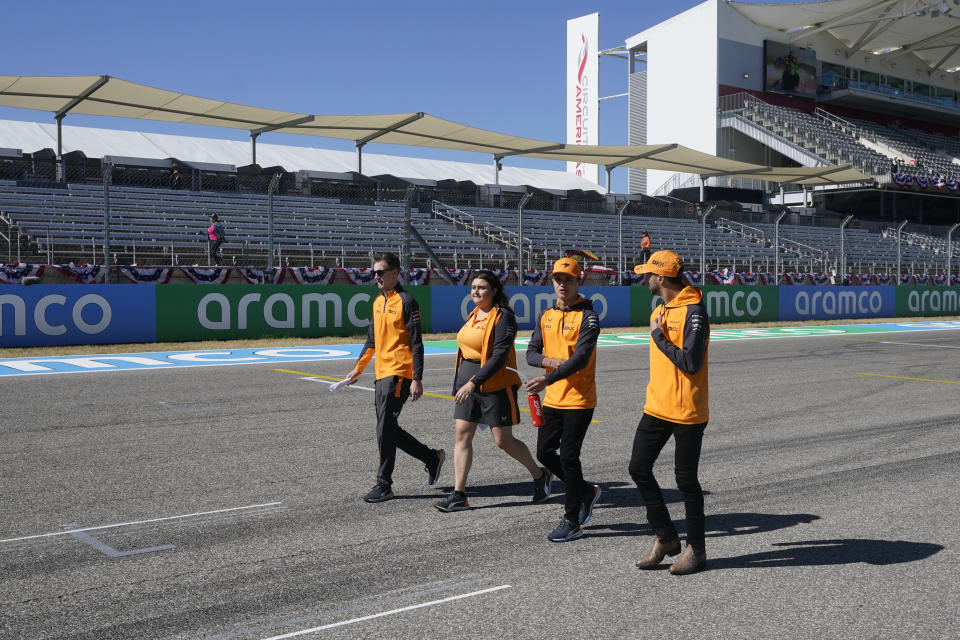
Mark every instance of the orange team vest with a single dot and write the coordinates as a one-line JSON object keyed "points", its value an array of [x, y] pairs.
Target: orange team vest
{"points": [[503, 378], [393, 350], [673, 395], [560, 330]]}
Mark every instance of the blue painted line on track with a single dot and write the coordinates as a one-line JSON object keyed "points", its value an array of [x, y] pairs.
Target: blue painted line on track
{"points": [[98, 363]]}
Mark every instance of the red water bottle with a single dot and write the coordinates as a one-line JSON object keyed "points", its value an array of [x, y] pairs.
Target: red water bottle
{"points": [[536, 409]]}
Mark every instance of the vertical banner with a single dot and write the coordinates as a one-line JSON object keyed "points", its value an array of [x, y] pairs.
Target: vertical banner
{"points": [[583, 86]]}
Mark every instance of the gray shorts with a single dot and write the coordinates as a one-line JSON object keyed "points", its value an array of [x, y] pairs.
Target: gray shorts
{"points": [[495, 408]]}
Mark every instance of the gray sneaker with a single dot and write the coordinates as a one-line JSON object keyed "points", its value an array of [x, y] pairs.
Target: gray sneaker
{"points": [[379, 493], [586, 507], [434, 466], [455, 501], [565, 531], [542, 486]]}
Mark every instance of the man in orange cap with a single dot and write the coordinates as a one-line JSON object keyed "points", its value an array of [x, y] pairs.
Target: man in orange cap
{"points": [[677, 405], [564, 342]]}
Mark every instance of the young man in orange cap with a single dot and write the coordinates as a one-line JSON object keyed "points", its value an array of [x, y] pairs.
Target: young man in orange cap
{"points": [[676, 405], [564, 342]]}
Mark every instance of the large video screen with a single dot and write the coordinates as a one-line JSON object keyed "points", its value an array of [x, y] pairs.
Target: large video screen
{"points": [[789, 69]]}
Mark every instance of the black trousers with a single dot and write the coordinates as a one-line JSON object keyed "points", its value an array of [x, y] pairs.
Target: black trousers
{"points": [[563, 431], [390, 394], [214, 247], [652, 434]]}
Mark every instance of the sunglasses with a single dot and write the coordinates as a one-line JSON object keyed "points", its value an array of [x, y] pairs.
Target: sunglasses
{"points": [[380, 272]]}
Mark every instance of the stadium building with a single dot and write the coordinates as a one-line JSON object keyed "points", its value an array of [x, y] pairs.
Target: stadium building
{"points": [[868, 83]]}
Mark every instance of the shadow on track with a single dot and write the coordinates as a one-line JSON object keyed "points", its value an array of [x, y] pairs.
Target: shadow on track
{"points": [[718, 526], [809, 553]]}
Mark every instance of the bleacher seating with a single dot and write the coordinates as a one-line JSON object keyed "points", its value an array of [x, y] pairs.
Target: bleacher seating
{"points": [[152, 223], [165, 226], [825, 138], [842, 141]]}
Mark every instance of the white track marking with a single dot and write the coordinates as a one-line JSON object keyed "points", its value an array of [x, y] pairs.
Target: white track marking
{"points": [[387, 613], [127, 524], [920, 344]]}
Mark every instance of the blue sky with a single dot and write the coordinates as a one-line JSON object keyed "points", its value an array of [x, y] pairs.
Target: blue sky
{"points": [[495, 65]]}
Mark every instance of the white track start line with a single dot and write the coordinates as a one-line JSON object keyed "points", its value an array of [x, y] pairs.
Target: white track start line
{"points": [[199, 514], [432, 603]]}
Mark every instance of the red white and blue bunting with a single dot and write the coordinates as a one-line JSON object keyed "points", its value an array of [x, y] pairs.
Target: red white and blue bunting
{"points": [[955, 279], [211, 275], [883, 278], [503, 274], [83, 273], [611, 274], [14, 273], [910, 180], [820, 278], [419, 277], [461, 276], [906, 278], [940, 278], [693, 278], [313, 275], [147, 275], [748, 278], [534, 277], [359, 276]]}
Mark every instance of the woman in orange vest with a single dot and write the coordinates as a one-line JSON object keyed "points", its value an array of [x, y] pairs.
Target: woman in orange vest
{"points": [[485, 388]]}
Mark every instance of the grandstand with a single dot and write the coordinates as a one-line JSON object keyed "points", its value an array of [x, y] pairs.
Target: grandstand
{"points": [[699, 79]]}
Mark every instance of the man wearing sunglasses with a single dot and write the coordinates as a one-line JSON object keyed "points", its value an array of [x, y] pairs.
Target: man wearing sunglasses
{"points": [[394, 337]]}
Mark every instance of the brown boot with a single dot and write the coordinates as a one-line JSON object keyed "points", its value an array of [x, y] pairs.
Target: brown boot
{"points": [[693, 558], [659, 549]]}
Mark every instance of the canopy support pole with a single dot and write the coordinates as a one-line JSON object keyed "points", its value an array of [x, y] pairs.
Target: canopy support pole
{"points": [[255, 133], [253, 147]]}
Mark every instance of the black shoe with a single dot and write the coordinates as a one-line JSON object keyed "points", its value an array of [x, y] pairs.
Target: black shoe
{"points": [[455, 501], [433, 467], [565, 532], [542, 486], [586, 507], [379, 493]]}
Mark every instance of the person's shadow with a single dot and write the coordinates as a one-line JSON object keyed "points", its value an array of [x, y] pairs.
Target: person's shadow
{"points": [[808, 553], [718, 526], [613, 494]]}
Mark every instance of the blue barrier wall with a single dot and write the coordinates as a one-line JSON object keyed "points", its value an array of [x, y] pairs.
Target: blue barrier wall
{"points": [[74, 314], [451, 305], [829, 303]]}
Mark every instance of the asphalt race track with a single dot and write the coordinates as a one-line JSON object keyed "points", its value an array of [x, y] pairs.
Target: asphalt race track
{"points": [[224, 502]]}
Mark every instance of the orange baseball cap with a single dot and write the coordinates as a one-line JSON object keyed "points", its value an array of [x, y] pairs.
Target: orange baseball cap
{"points": [[662, 263], [568, 266]]}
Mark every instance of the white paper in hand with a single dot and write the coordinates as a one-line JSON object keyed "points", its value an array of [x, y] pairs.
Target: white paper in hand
{"points": [[336, 385]]}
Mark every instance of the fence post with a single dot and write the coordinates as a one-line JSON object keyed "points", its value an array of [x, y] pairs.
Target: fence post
{"points": [[274, 181], [620, 240], [843, 251], [950, 249], [899, 238], [523, 202], [107, 176], [776, 245]]}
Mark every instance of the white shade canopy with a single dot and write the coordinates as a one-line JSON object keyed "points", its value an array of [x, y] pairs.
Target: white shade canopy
{"points": [[108, 96]]}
